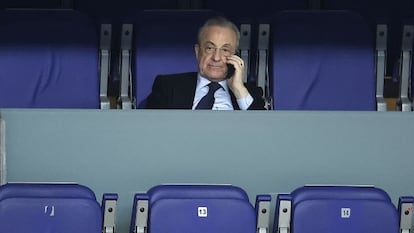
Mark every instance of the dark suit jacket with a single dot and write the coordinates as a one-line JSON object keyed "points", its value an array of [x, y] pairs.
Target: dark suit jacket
{"points": [[176, 91]]}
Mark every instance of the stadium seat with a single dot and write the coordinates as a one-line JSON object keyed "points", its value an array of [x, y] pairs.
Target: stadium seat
{"points": [[121, 8], [340, 209], [116, 13], [234, 8], [321, 60], [51, 59], [157, 42], [202, 208], [57, 207], [389, 13], [45, 4]]}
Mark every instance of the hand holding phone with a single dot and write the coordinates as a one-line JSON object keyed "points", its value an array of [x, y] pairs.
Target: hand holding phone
{"points": [[230, 71]]}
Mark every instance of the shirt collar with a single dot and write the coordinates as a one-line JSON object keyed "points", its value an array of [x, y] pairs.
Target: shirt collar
{"points": [[201, 82]]}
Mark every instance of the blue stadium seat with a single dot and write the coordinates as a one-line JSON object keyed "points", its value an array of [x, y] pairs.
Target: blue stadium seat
{"points": [[321, 60], [254, 9], [45, 4], [116, 13], [162, 42], [49, 59], [389, 13], [58, 207], [340, 209], [121, 8], [199, 208]]}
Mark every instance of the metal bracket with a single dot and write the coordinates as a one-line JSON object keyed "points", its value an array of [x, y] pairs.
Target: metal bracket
{"points": [[381, 57], [125, 99], [104, 59]]}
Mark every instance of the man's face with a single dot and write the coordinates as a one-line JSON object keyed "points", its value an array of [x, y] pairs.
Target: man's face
{"points": [[216, 44]]}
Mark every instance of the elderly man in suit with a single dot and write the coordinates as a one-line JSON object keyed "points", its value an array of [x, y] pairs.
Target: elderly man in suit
{"points": [[218, 84]]}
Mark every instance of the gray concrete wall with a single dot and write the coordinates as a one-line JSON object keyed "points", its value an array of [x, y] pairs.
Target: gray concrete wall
{"points": [[263, 152]]}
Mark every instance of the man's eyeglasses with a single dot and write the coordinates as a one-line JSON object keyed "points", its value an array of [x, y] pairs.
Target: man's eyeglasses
{"points": [[223, 51]]}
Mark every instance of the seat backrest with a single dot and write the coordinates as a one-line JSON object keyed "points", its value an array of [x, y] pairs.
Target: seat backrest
{"points": [[253, 8], [390, 13], [200, 208], [321, 60], [341, 209], [120, 8], [34, 4], [39, 208], [163, 44], [116, 13], [374, 11], [48, 59]]}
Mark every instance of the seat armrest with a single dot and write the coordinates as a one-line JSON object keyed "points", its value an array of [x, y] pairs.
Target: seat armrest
{"points": [[283, 213], [263, 213], [405, 209], [125, 98], [109, 202], [139, 220]]}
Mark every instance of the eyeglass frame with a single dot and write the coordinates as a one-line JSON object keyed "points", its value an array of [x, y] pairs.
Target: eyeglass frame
{"points": [[225, 50]]}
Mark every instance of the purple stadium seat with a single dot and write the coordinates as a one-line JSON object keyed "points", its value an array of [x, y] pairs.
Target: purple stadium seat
{"points": [[390, 13], [321, 60], [258, 8], [56, 4], [46, 207], [339, 209], [48, 59], [196, 208]]}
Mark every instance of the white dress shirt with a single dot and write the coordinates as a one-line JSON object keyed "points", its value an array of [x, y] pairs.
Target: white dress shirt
{"points": [[222, 96]]}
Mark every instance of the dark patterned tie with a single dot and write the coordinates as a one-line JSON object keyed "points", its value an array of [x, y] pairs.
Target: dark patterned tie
{"points": [[208, 100]]}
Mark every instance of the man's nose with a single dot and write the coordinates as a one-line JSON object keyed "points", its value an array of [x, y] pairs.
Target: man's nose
{"points": [[217, 55]]}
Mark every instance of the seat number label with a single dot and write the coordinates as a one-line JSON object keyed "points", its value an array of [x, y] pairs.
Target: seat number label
{"points": [[345, 212], [202, 211]]}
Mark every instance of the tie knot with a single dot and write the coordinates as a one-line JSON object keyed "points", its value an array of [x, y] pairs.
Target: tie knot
{"points": [[213, 87], [207, 101]]}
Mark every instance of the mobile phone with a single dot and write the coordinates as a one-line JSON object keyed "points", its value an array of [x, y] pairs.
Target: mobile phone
{"points": [[230, 71]]}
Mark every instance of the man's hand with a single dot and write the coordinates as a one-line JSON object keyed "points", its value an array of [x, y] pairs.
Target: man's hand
{"points": [[236, 81]]}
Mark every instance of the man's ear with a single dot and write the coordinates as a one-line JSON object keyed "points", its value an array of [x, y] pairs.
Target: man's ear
{"points": [[196, 50]]}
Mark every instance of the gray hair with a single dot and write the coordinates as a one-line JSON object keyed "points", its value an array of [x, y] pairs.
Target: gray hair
{"points": [[220, 21]]}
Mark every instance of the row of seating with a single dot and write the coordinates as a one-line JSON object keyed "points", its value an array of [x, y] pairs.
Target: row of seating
{"points": [[203, 208], [371, 8], [375, 11], [303, 60], [291, 57]]}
